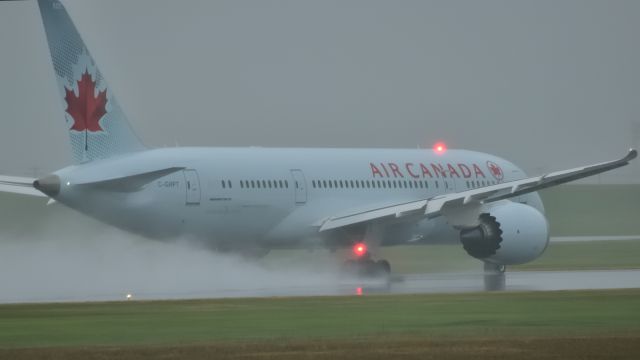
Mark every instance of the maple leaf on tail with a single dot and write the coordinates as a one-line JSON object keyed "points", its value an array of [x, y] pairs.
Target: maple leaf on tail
{"points": [[86, 109]]}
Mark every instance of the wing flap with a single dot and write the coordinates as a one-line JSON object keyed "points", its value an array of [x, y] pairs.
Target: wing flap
{"points": [[393, 211]]}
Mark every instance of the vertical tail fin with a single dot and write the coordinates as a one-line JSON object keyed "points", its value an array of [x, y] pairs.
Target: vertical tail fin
{"points": [[97, 126]]}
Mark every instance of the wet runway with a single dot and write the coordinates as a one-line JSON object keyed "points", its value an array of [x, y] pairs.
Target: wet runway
{"points": [[458, 282], [405, 284]]}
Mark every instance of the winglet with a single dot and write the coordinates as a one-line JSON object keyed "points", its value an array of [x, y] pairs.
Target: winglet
{"points": [[633, 153]]}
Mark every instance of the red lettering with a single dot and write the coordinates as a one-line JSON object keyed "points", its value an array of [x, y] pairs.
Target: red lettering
{"points": [[375, 170], [464, 169], [408, 166], [425, 171], [452, 171], [438, 170], [395, 170], [477, 170], [385, 169]]}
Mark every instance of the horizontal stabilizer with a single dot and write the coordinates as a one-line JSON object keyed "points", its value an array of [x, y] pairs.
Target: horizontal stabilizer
{"points": [[19, 185], [131, 183]]}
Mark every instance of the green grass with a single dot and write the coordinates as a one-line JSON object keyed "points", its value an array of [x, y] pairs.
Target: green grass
{"points": [[592, 255], [476, 315], [593, 209]]}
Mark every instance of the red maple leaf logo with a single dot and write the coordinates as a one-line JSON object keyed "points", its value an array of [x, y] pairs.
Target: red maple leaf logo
{"points": [[496, 171], [86, 109]]}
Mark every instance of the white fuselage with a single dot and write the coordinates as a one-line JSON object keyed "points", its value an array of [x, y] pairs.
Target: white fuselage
{"points": [[270, 196]]}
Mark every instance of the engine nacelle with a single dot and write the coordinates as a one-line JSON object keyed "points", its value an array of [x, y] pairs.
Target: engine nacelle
{"points": [[509, 234]]}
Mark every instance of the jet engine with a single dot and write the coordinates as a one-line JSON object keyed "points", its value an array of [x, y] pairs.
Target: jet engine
{"points": [[508, 234]]}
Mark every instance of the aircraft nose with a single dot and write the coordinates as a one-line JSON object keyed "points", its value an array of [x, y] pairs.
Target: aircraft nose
{"points": [[49, 185]]}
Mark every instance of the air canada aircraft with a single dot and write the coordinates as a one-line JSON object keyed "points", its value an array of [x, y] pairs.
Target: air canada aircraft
{"points": [[251, 200]]}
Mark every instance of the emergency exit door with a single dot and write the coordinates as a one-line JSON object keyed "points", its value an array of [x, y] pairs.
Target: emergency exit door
{"points": [[193, 187]]}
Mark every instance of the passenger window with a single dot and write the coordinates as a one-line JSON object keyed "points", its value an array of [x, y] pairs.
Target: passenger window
{"points": [[229, 183], [223, 184], [286, 184], [437, 185]]}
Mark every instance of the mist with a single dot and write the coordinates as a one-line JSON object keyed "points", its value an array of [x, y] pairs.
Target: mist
{"points": [[548, 85], [68, 257]]}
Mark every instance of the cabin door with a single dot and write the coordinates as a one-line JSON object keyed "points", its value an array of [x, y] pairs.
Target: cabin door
{"points": [[299, 186]]}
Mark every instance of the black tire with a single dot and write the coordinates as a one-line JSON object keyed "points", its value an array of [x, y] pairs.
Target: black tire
{"points": [[350, 267], [366, 268], [384, 267]]}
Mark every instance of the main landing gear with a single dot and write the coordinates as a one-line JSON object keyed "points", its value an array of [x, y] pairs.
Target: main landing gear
{"points": [[362, 264], [494, 277]]}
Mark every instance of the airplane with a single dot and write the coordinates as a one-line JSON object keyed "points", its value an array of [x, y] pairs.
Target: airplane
{"points": [[252, 200]]}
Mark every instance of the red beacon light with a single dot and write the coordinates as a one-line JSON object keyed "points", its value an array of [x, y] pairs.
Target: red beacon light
{"points": [[360, 249], [440, 147]]}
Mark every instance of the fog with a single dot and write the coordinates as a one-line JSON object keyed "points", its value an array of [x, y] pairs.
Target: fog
{"points": [[546, 84], [69, 257]]}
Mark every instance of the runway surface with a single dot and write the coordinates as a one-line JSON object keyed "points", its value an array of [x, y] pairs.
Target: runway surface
{"points": [[458, 282], [405, 284]]}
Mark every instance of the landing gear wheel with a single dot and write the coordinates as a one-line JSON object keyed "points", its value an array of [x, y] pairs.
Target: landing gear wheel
{"points": [[384, 267], [366, 268], [494, 277]]}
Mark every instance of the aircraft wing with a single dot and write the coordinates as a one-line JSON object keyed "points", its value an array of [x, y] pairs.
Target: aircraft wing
{"points": [[19, 185], [463, 208]]}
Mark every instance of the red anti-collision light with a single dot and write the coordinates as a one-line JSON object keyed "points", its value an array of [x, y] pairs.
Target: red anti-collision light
{"points": [[440, 147], [360, 249]]}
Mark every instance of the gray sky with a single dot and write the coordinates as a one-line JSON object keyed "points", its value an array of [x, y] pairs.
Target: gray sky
{"points": [[547, 84]]}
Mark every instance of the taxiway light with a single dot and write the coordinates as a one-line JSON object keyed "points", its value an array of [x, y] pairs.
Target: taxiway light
{"points": [[360, 249]]}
